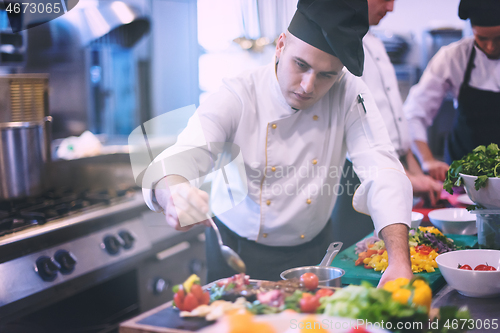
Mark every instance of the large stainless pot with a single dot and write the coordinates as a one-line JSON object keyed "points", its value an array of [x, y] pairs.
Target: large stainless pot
{"points": [[23, 157], [24, 137]]}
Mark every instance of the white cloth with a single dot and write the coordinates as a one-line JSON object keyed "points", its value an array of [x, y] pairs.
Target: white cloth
{"points": [[307, 148], [380, 77], [444, 74]]}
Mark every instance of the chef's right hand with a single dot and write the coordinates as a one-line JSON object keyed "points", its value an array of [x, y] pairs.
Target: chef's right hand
{"points": [[183, 205], [436, 169]]}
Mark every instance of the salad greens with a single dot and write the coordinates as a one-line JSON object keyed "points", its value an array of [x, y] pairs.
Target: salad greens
{"points": [[483, 162], [435, 240]]}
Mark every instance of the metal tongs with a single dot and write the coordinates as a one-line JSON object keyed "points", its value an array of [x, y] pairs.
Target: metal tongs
{"points": [[231, 257]]}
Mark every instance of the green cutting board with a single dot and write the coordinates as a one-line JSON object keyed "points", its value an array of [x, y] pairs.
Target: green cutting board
{"points": [[355, 274]]}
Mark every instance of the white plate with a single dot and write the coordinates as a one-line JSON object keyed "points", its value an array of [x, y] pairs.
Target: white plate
{"points": [[292, 322], [464, 199]]}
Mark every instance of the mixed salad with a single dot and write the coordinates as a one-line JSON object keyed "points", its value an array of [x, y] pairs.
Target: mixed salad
{"points": [[400, 300]]}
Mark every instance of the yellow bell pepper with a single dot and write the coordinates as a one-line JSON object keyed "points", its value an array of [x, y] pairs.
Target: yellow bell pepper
{"points": [[401, 295]]}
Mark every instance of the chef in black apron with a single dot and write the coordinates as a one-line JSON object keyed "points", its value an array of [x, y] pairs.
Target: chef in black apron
{"points": [[478, 113]]}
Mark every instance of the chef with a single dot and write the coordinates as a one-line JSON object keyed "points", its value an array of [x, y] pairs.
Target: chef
{"points": [[470, 70], [294, 122]]}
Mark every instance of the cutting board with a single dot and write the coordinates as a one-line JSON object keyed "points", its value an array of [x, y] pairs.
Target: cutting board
{"points": [[355, 274]]}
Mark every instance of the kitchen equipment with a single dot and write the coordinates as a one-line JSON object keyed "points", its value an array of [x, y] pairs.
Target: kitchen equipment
{"points": [[456, 221], [24, 142], [355, 274], [488, 196], [488, 228], [416, 219], [327, 275], [471, 283], [231, 257]]}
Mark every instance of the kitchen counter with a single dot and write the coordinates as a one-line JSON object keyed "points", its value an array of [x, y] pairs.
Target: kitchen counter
{"points": [[480, 308]]}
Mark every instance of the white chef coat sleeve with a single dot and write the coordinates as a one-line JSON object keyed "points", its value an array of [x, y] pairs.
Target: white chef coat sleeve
{"points": [[424, 99], [385, 192], [194, 153]]}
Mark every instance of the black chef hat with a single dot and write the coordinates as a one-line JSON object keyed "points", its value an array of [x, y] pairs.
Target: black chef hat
{"points": [[483, 13], [334, 26]]}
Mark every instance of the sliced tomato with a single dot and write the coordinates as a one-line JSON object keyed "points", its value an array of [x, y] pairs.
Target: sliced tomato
{"points": [[206, 298], [179, 300], [190, 302], [369, 253], [197, 291], [424, 249]]}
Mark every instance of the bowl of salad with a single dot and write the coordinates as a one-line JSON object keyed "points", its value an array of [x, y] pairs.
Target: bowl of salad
{"points": [[473, 273], [479, 172]]}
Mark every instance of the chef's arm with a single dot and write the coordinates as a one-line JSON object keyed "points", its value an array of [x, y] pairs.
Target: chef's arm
{"points": [[395, 237], [435, 168]]}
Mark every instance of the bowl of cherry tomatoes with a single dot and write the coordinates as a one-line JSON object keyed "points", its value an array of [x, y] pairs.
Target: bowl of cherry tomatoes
{"points": [[473, 273]]}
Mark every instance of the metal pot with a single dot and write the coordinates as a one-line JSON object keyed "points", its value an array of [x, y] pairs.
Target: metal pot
{"points": [[327, 275], [23, 156]]}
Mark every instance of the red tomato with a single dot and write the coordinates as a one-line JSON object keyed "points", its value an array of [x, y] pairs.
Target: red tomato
{"points": [[309, 303], [190, 302], [179, 300], [206, 298], [424, 249], [197, 292], [485, 268], [324, 292], [310, 281], [465, 267]]}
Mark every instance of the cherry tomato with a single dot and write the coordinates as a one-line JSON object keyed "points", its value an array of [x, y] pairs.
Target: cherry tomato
{"points": [[310, 281], [179, 300], [486, 267], [206, 298], [309, 303], [465, 267], [190, 302], [197, 292], [324, 292]]}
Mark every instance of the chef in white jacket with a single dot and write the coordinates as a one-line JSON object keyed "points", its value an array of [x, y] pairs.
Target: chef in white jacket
{"points": [[293, 121], [470, 70]]}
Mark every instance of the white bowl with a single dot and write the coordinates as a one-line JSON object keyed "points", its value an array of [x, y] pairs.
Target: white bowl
{"points": [[488, 196], [456, 221], [483, 284], [416, 219]]}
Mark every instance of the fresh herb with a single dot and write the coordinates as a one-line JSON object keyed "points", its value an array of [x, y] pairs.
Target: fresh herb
{"points": [[292, 301], [258, 308], [483, 162], [474, 207]]}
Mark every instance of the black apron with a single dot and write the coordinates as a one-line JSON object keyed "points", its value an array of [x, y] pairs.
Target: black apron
{"points": [[262, 262], [477, 121]]}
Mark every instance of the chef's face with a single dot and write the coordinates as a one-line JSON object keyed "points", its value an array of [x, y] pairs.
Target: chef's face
{"points": [[305, 73], [377, 10], [488, 40]]}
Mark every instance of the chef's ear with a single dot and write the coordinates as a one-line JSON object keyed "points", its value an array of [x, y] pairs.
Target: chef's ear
{"points": [[280, 45]]}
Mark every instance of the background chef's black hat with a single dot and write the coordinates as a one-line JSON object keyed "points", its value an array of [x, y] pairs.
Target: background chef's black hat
{"points": [[334, 26], [483, 13]]}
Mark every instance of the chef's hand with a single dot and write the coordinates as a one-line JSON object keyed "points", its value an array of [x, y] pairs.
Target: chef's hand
{"points": [[395, 237], [426, 186], [183, 205], [436, 169]]}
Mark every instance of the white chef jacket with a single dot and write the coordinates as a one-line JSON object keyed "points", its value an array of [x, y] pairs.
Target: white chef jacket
{"points": [[444, 74], [380, 77], [292, 207]]}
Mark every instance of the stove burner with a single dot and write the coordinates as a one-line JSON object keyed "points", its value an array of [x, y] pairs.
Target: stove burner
{"points": [[19, 214], [21, 221]]}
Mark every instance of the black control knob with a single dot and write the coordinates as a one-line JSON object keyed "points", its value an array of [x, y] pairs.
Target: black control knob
{"points": [[127, 238], [160, 285], [66, 260], [112, 245], [47, 268]]}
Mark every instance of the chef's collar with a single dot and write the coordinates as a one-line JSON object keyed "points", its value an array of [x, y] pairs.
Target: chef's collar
{"points": [[336, 27], [482, 13]]}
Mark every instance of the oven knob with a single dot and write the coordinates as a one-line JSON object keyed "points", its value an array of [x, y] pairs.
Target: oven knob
{"points": [[128, 239], [47, 268], [112, 244], [67, 261], [159, 286]]}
